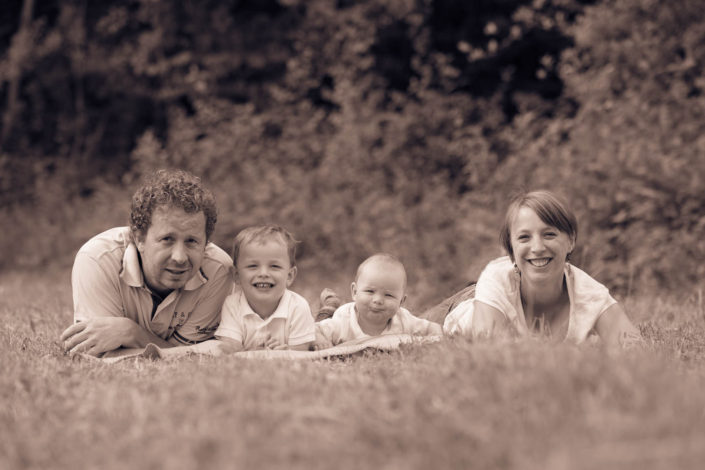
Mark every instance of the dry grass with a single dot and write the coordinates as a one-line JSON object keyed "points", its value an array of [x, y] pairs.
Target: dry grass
{"points": [[449, 405]]}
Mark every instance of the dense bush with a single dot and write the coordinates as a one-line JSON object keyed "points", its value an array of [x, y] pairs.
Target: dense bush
{"points": [[364, 125]]}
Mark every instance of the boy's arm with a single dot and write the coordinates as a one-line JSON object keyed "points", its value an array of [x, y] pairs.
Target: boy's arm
{"points": [[231, 331], [301, 332], [228, 345]]}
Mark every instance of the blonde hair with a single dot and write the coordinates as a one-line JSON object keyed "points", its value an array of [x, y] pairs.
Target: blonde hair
{"points": [[265, 232]]}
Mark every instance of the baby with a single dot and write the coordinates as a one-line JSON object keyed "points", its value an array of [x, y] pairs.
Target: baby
{"points": [[378, 292], [263, 313]]}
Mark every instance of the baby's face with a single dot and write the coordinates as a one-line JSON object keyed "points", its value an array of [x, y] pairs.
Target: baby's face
{"points": [[378, 292], [264, 270]]}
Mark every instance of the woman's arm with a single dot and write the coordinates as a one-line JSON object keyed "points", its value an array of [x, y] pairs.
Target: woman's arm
{"points": [[615, 328], [488, 322]]}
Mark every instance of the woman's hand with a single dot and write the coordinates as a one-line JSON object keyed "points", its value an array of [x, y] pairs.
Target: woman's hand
{"points": [[616, 330]]}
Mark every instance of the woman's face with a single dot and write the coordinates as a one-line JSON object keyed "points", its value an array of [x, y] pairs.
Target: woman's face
{"points": [[540, 250]]}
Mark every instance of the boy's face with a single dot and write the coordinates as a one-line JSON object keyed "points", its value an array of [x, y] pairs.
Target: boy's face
{"points": [[378, 292], [264, 271]]}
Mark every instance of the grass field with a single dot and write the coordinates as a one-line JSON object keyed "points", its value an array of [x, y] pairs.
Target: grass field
{"points": [[454, 404]]}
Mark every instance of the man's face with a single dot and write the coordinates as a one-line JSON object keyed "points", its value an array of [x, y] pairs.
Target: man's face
{"points": [[172, 250]]}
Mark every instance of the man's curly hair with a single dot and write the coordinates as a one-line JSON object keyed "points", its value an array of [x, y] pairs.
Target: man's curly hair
{"points": [[171, 188]]}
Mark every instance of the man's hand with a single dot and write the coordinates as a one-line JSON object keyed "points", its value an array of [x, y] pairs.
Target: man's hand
{"points": [[98, 335]]}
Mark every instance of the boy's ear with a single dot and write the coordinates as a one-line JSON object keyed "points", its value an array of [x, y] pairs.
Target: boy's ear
{"points": [[353, 290], [236, 275], [291, 275]]}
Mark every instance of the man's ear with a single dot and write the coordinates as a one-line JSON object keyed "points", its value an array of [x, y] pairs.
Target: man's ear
{"points": [[291, 275], [138, 240], [139, 243]]}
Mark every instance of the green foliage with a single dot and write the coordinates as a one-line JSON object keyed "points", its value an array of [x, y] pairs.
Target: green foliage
{"points": [[365, 125], [631, 159]]}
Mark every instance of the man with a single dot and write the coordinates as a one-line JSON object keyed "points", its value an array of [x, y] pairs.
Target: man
{"points": [[158, 281]]}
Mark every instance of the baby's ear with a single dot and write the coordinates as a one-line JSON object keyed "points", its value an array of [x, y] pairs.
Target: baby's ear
{"points": [[353, 289]]}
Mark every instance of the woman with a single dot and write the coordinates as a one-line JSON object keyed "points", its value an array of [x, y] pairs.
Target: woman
{"points": [[535, 289]]}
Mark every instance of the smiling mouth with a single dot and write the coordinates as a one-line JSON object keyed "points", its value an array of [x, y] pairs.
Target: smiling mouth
{"points": [[539, 262], [263, 285]]}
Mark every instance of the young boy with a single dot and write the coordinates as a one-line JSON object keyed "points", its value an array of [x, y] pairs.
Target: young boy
{"points": [[378, 291], [263, 313]]}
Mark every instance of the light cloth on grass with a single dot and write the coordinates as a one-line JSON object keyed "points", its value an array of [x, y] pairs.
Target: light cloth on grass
{"points": [[378, 343]]}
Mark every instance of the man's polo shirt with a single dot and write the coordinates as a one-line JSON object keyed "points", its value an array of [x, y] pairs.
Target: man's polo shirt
{"points": [[107, 281], [291, 323]]}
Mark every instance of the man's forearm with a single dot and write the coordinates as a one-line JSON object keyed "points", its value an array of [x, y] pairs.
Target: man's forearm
{"points": [[139, 337]]}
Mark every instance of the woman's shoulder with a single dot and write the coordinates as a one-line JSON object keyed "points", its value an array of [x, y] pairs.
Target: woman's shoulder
{"points": [[582, 281], [501, 266], [585, 289], [499, 271]]}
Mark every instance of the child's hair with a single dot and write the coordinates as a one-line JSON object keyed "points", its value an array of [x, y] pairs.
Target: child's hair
{"points": [[265, 232], [551, 210], [383, 258]]}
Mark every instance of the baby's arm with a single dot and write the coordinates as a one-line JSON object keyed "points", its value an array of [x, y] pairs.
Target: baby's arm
{"points": [[418, 326], [323, 335], [434, 329]]}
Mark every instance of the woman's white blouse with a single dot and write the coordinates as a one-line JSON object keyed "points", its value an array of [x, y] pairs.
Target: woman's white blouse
{"points": [[498, 287]]}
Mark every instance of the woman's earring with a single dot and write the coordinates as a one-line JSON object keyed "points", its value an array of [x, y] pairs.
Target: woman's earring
{"points": [[516, 268]]}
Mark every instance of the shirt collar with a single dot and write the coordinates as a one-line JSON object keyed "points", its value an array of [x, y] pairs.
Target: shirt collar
{"points": [[131, 271], [280, 312]]}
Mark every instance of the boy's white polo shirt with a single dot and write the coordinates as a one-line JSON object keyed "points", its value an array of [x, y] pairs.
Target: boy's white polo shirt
{"points": [[107, 280], [343, 325], [291, 323]]}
